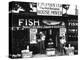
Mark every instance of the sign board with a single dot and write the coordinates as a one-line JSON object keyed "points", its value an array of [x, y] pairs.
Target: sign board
{"points": [[49, 9], [62, 31], [33, 36]]}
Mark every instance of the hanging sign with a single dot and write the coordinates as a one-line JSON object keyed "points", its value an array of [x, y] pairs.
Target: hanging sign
{"points": [[49, 9]]}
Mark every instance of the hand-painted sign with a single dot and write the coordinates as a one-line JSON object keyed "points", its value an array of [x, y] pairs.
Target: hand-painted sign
{"points": [[49, 9]]}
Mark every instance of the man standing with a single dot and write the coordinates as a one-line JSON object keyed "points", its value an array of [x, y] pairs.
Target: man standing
{"points": [[42, 43], [62, 43]]}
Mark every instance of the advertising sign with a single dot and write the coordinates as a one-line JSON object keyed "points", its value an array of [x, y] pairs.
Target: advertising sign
{"points": [[49, 9]]}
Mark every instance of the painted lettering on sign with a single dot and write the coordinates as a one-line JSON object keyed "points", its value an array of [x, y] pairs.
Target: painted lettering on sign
{"points": [[28, 22], [49, 9]]}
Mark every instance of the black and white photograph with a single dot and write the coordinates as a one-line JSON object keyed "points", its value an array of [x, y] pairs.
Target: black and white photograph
{"points": [[42, 30], [39, 30]]}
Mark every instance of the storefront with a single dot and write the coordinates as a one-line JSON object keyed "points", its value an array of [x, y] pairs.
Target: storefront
{"points": [[31, 34]]}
